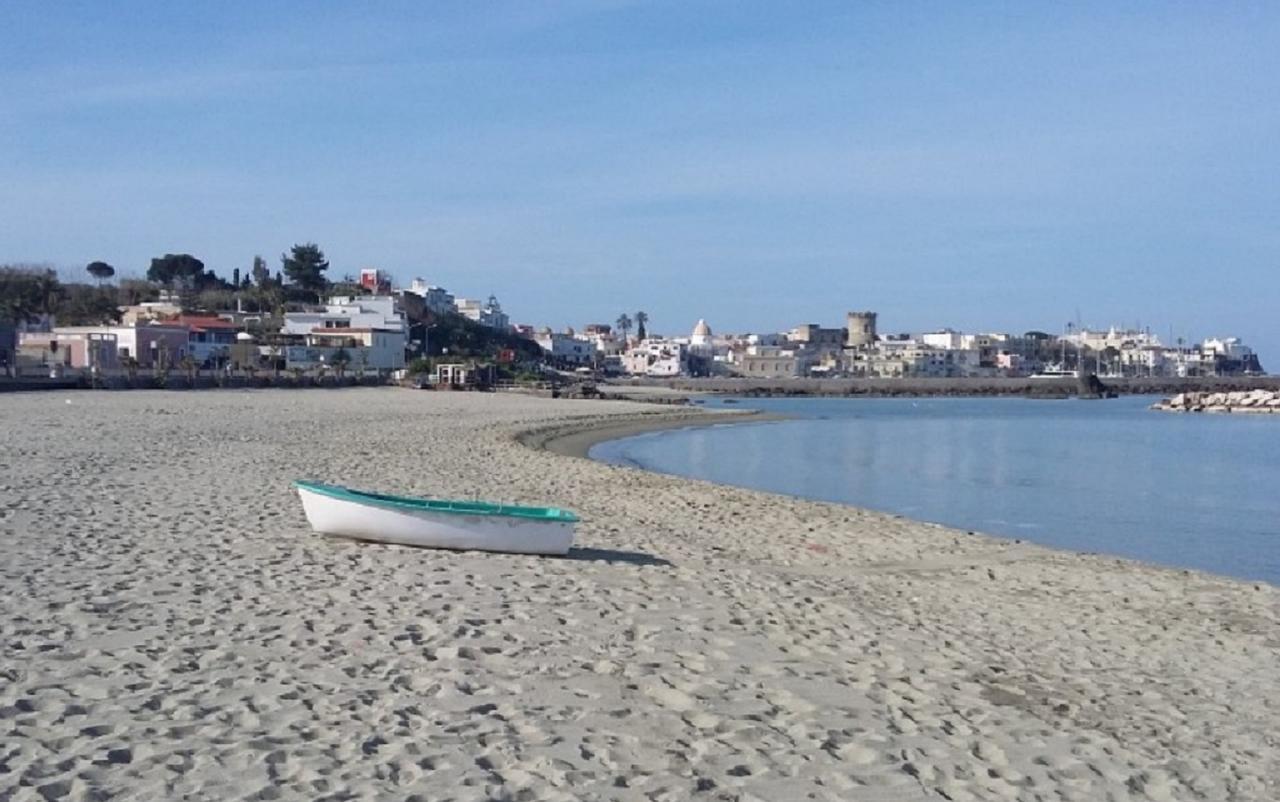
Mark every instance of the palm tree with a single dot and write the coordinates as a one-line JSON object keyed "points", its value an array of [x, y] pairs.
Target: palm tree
{"points": [[624, 325], [642, 318]]}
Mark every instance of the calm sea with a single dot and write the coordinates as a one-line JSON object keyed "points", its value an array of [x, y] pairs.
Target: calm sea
{"points": [[1193, 491]]}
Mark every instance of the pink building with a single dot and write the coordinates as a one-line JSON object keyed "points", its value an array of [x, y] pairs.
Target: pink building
{"points": [[107, 347], [1011, 364], [72, 347]]}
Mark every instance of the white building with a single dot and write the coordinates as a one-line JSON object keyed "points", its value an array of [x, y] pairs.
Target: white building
{"points": [[435, 299], [369, 332], [346, 312], [701, 340], [357, 349], [604, 342], [1144, 361], [1112, 338], [566, 347], [655, 357], [1229, 347], [949, 340], [1183, 362], [772, 338], [912, 358], [486, 313]]}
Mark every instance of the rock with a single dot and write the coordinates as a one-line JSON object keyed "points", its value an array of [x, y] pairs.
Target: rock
{"points": [[1260, 400]]}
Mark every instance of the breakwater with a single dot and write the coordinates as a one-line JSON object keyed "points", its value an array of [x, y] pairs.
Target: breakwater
{"points": [[1028, 387], [1253, 402]]}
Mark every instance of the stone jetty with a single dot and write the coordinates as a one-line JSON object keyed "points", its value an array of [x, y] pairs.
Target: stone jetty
{"points": [[1250, 401]]}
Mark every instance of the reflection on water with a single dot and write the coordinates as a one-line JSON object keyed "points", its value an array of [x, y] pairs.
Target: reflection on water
{"points": [[1105, 476]]}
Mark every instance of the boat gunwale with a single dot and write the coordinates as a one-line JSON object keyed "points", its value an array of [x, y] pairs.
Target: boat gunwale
{"points": [[412, 504]]}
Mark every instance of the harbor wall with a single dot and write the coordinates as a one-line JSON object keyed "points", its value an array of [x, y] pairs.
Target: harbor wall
{"points": [[1051, 388]]}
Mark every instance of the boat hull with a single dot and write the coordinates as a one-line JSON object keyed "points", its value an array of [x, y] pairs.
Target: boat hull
{"points": [[425, 528]]}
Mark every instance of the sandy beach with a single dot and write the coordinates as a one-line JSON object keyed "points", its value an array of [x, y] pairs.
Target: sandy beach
{"points": [[172, 629]]}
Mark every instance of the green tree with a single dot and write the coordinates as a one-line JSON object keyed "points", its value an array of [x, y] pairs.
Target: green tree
{"points": [[214, 300], [179, 269], [27, 292], [348, 285], [459, 336], [100, 271], [188, 297], [304, 266], [642, 318], [18, 294], [132, 291], [260, 274], [623, 324], [50, 293], [87, 305]]}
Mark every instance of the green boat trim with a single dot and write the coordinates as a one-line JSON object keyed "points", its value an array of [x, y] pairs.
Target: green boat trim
{"points": [[546, 514]]}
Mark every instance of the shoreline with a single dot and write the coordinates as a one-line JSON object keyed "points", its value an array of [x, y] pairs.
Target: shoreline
{"points": [[578, 440]]}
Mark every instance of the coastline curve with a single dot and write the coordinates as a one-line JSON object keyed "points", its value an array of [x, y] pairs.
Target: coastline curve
{"points": [[576, 438]]}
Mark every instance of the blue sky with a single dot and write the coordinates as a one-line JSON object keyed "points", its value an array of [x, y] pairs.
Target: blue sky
{"points": [[1001, 166]]}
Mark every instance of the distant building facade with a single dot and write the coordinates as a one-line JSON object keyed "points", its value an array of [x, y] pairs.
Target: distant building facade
{"points": [[769, 362], [860, 329], [364, 332], [353, 348], [486, 313], [375, 281], [342, 312], [566, 348], [436, 299], [816, 340], [656, 357], [109, 347]]}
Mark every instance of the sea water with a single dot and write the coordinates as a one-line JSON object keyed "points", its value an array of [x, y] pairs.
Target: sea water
{"points": [[1110, 476]]}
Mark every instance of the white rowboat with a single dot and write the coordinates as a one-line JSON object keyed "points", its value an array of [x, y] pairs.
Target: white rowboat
{"points": [[468, 525]]}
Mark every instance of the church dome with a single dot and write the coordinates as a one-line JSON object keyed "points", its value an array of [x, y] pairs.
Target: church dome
{"points": [[702, 329]]}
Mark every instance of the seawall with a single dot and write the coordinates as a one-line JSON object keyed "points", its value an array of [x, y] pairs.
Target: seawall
{"points": [[1047, 388]]}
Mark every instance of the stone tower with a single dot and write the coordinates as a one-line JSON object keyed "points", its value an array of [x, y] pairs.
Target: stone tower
{"points": [[861, 330]]}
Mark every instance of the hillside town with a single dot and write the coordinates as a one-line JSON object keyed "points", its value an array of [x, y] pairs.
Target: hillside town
{"points": [[366, 325]]}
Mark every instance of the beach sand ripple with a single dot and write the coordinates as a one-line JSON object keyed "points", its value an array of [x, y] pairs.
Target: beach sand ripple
{"points": [[172, 629]]}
